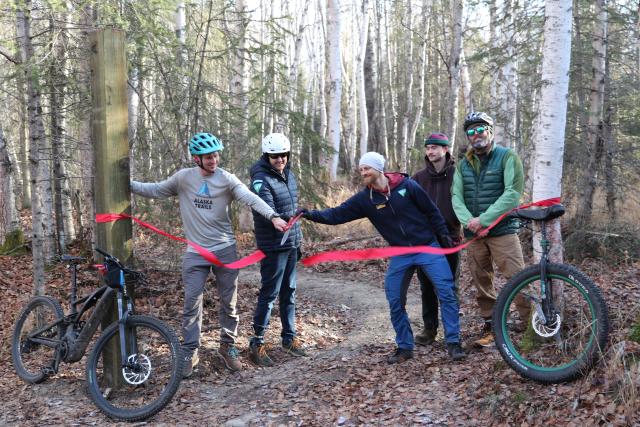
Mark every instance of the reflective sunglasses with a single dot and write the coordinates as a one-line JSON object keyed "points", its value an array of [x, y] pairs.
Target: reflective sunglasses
{"points": [[278, 155], [477, 131]]}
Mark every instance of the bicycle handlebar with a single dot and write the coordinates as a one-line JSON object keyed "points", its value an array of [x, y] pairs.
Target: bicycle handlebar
{"points": [[110, 258]]}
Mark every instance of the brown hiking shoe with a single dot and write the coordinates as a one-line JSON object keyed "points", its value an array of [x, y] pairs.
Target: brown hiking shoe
{"points": [[258, 355], [295, 348], [230, 357], [191, 360], [426, 337], [487, 339]]}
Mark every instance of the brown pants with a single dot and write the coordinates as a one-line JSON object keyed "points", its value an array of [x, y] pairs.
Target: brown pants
{"points": [[506, 253]]}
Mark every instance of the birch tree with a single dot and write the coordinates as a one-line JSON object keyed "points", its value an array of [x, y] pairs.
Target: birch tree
{"points": [[549, 137], [595, 141], [335, 83], [42, 247], [457, 10], [9, 219], [362, 98]]}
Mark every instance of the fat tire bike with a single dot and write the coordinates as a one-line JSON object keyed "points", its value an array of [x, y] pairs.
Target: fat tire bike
{"points": [[134, 367], [550, 320]]}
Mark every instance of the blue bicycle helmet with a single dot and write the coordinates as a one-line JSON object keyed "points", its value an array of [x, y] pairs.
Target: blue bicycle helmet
{"points": [[204, 143]]}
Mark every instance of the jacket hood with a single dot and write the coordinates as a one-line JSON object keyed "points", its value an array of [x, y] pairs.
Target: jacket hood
{"points": [[395, 178], [432, 170]]}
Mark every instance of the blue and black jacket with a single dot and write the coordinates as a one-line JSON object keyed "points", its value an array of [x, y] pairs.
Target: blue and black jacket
{"points": [[281, 193], [406, 217]]}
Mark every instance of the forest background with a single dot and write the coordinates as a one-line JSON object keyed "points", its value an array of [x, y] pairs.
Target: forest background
{"points": [[339, 78]]}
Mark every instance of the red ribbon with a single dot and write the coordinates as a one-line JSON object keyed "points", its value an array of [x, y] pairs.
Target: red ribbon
{"points": [[243, 262], [373, 253]]}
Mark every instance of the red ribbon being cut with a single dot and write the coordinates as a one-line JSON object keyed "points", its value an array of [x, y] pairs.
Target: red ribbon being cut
{"points": [[328, 256], [373, 253], [243, 262]]}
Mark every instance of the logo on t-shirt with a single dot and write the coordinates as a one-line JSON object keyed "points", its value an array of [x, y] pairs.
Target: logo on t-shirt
{"points": [[402, 192], [203, 197]]}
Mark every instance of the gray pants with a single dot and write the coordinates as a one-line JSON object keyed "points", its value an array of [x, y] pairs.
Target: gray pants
{"points": [[195, 271]]}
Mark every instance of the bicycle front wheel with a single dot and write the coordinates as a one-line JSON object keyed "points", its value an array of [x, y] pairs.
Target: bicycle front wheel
{"points": [[139, 387], [556, 347], [35, 337]]}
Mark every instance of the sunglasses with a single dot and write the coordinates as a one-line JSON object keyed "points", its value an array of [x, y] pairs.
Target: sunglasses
{"points": [[278, 155], [477, 131]]}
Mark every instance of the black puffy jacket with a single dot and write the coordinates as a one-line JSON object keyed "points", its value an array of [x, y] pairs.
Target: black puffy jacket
{"points": [[281, 193]]}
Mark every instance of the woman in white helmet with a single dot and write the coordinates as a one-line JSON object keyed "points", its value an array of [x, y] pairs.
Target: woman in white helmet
{"points": [[274, 182]]}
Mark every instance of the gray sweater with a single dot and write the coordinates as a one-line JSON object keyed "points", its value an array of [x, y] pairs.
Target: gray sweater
{"points": [[204, 204]]}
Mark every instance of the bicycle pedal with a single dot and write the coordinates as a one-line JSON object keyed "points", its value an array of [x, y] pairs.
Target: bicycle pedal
{"points": [[48, 370]]}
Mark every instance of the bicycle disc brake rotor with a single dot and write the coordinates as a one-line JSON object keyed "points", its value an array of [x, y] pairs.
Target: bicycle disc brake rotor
{"points": [[137, 370], [545, 330]]}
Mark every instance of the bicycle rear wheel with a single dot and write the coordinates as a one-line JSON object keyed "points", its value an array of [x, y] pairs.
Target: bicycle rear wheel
{"points": [[567, 345], [33, 360], [145, 382]]}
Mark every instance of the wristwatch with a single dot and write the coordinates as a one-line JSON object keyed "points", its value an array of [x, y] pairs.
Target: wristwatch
{"points": [[274, 215]]}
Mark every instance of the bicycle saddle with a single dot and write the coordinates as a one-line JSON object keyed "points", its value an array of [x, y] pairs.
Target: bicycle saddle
{"points": [[72, 259], [536, 214]]}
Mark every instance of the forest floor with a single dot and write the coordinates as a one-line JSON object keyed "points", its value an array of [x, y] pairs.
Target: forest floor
{"points": [[342, 316]]}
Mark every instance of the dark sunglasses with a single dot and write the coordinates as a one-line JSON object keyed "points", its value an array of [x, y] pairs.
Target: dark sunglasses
{"points": [[477, 131], [278, 155]]}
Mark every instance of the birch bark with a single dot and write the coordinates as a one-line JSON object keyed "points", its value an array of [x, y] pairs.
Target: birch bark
{"points": [[549, 137], [335, 83]]}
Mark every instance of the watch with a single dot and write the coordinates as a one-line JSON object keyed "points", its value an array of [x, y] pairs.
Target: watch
{"points": [[274, 215]]}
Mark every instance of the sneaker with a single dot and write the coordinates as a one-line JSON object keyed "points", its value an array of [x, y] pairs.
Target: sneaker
{"points": [[455, 351], [230, 357], [258, 355], [191, 360], [400, 355], [294, 347], [426, 337]]}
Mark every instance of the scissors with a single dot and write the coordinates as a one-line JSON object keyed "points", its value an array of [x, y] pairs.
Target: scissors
{"points": [[287, 229]]}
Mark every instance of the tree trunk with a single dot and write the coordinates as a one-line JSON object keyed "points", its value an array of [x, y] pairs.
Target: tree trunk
{"points": [[335, 83], [422, 66], [549, 137], [595, 125], [466, 83], [454, 70], [36, 135], [362, 98], [9, 219], [382, 82], [408, 86]]}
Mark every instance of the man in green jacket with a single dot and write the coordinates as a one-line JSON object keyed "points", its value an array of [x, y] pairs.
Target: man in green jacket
{"points": [[488, 182]]}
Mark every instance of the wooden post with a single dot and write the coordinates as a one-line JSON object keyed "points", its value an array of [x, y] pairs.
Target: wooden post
{"points": [[110, 138]]}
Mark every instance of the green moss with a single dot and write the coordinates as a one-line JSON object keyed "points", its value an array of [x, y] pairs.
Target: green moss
{"points": [[634, 335], [13, 244]]}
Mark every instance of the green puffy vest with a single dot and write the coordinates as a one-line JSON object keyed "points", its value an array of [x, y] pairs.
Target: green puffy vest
{"points": [[485, 186]]}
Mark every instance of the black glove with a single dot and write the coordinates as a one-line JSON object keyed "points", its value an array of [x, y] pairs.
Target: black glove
{"points": [[445, 241], [303, 211]]}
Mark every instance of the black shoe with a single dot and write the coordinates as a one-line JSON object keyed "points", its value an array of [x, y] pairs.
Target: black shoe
{"points": [[426, 337], [455, 351], [400, 355]]}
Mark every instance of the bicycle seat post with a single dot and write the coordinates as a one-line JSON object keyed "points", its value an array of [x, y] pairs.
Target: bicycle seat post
{"points": [[74, 288]]}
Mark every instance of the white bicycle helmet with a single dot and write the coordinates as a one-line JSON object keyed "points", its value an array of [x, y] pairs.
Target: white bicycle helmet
{"points": [[275, 143]]}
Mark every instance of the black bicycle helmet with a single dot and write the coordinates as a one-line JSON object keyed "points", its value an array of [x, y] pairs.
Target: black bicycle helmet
{"points": [[477, 117]]}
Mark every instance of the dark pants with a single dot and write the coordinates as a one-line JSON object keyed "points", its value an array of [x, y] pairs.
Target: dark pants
{"points": [[429, 298], [278, 271]]}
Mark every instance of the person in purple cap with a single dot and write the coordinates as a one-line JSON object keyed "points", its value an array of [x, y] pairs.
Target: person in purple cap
{"points": [[436, 179]]}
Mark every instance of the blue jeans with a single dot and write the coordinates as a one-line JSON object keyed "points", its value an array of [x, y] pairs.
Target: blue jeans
{"points": [[278, 271], [438, 270]]}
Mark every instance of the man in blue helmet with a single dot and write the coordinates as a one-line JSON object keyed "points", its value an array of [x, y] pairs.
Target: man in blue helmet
{"points": [[205, 193]]}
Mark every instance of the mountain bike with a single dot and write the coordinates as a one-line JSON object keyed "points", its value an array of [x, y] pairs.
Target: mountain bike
{"points": [[550, 320], [142, 351]]}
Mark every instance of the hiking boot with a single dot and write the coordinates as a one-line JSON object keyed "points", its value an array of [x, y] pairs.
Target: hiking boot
{"points": [[191, 360], [455, 351], [487, 336], [258, 354], [294, 347], [230, 356], [400, 355], [426, 337]]}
